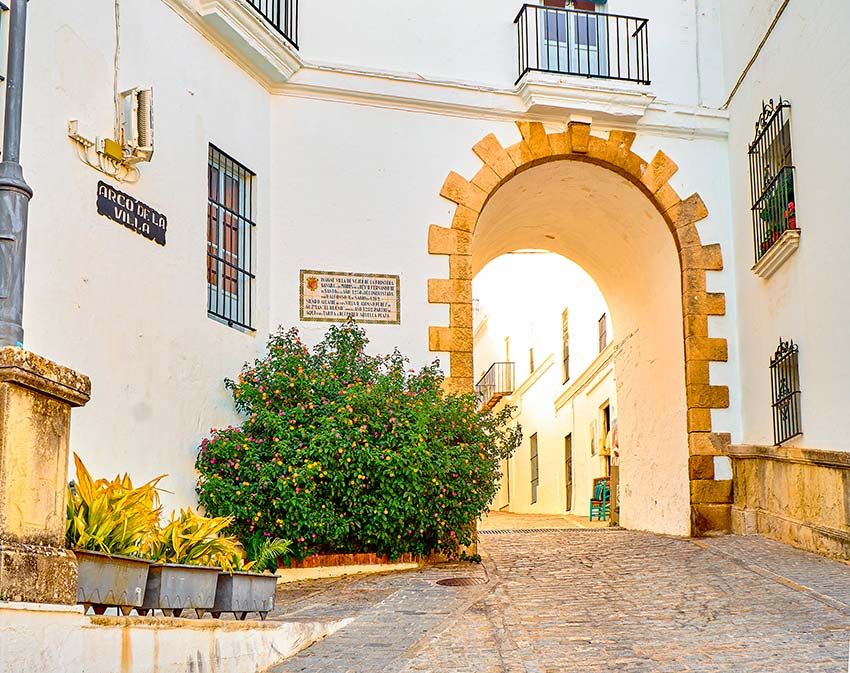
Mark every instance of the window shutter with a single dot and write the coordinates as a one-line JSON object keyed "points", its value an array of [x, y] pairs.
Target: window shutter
{"points": [[585, 5]]}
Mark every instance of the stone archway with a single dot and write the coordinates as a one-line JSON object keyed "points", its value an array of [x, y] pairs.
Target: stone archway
{"points": [[710, 499]]}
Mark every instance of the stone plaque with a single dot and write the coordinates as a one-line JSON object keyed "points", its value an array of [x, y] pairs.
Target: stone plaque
{"points": [[331, 296], [132, 213]]}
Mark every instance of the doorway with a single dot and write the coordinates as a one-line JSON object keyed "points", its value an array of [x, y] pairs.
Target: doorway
{"points": [[568, 471]]}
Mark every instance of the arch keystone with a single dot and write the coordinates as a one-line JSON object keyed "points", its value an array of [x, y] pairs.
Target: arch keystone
{"points": [[579, 136]]}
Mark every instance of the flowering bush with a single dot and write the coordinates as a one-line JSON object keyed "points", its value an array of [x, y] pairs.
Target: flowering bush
{"points": [[348, 452]]}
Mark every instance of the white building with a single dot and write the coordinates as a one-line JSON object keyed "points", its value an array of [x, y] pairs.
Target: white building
{"points": [[543, 344], [270, 159]]}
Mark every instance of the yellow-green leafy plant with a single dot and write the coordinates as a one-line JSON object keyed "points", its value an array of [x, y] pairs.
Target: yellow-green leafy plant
{"points": [[112, 517], [192, 539], [265, 552]]}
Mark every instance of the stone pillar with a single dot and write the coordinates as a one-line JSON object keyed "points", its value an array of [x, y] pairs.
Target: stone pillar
{"points": [[36, 397]]}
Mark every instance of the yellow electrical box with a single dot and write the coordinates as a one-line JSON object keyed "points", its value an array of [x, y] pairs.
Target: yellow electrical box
{"points": [[113, 149]]}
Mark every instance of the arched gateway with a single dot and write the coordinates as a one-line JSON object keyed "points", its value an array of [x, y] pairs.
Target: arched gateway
{"points": [[612, 212]]}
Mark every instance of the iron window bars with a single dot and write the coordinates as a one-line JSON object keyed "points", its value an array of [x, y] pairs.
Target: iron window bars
{"points": [[282, 15], [785, 392], [574, 42], [230, 232], [772, 177]]}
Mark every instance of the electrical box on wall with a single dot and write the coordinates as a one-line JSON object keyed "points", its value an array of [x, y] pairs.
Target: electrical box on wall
{"points": [[136, 110], [133, 142]]}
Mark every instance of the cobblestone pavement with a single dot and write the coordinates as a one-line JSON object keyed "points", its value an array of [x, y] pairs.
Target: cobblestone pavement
{"points": [[582, 601]]}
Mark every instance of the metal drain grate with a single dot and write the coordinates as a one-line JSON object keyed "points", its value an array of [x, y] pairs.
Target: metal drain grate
{"points": [[461, 581], [520, 531]]}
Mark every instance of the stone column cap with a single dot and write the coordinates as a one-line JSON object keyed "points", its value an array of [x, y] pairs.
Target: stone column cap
{"points": [[27, 369]]}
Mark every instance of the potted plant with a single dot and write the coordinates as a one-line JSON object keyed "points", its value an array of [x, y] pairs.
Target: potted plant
{"points": [[107, 525], [240, 591], [791, 215], [188, 554]]}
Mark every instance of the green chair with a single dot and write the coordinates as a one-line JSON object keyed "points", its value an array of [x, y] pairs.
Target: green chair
{"points": [[600, 503]]}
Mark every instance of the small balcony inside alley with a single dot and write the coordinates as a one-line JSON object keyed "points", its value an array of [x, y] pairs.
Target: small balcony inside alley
{"points": [[497, 382]]}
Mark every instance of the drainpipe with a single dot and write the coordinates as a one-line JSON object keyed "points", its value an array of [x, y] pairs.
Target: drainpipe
{"points": [[15, 193]]}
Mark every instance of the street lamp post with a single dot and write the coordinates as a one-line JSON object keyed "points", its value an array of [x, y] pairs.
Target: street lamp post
{"points": [[15, 193]]}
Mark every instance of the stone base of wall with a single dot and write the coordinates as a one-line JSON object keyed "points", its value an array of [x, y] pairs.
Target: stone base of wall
{"points": [[797, 496], [37, 574]]}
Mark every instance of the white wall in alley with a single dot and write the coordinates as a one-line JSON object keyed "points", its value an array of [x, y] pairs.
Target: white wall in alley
{"points": [[805, 299], [522, 296]]}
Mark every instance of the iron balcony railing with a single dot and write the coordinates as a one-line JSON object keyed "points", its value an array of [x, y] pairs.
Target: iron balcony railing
{"points": [[497, 382], [592, 44], [282, 15]]}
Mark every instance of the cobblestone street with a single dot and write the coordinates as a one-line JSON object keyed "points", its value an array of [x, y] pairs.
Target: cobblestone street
{"points": [[584, 600]]}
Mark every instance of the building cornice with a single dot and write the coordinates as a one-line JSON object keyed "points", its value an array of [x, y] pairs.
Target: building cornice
{"points": [[611, 107], [587, 377]]}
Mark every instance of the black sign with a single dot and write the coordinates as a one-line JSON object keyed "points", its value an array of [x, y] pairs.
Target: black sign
{"points": [[133, 214]]}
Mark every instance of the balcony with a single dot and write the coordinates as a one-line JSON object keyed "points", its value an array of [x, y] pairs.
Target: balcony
{"points": [[260, 35], [281, 15], [587, 44], [496, 383]]}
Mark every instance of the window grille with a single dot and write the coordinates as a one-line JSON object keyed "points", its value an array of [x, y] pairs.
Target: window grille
{"points": [[230, 231], [535, 469], [785, 392], [603, 332], [772, 177]]}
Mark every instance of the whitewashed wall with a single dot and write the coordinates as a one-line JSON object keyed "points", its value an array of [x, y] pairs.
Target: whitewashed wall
{"points": [[104, 300], [345, 182], [805, 61]]}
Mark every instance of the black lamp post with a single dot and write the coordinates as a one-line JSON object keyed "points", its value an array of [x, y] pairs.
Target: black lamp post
{"points": [[15, 193]]}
